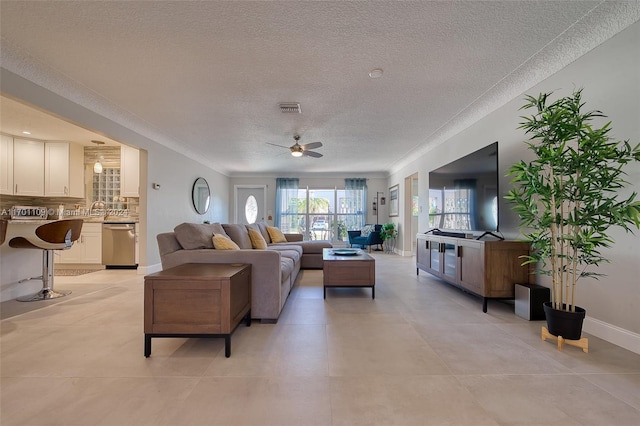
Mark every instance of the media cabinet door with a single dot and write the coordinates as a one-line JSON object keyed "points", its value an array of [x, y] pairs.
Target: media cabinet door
{"points": [[503, 267], [471, 258]]}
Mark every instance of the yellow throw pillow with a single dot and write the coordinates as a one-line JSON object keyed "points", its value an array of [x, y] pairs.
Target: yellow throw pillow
{"points": [[257, 240], [220, 242], [276, 235]]}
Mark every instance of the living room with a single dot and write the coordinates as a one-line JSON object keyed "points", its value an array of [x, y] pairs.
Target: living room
{"points": [[607, 68]]}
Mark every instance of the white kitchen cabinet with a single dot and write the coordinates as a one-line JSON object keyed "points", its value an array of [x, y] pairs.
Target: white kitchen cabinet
{"points": [[63, 170], [87, 249], [93, 244], [129, 172], [6, 165], [73, 255], [28, 167]]}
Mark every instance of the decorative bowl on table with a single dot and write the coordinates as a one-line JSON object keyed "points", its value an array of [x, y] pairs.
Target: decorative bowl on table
{"points": [[345, 252]]}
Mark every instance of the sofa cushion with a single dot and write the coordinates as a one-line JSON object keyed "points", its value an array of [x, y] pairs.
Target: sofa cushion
{"points": [[287, 266], [193, 236], [263, 230], [288, 252], [257, 240], [276, 235], [221, 242], [239, 234], [256, 227], [314, 247]]}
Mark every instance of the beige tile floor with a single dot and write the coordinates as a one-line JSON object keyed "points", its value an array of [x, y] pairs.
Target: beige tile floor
{"points": [[421, 353]]}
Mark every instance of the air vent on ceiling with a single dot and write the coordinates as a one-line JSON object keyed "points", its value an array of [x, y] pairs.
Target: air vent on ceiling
{"points": [[290, 107]]}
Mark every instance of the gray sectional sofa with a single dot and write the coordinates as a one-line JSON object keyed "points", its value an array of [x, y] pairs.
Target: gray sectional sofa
{"points": [[273, 270]]}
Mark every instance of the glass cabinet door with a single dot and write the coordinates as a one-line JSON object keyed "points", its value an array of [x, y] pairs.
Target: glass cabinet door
{"points": [[434, 255], [450, 260]]}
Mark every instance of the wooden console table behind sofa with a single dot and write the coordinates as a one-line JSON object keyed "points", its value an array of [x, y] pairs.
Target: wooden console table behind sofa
{"points": [[197, 300]]}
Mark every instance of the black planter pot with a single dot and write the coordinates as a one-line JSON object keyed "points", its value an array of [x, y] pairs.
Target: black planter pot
{"points": [[563, 323]]}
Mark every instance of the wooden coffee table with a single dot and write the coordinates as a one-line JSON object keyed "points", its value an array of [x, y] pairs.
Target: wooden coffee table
{"points": [[197, 300], [357, 270]]}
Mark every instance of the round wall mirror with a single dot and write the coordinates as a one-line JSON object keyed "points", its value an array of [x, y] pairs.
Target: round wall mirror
{"points": [[201, 195]]}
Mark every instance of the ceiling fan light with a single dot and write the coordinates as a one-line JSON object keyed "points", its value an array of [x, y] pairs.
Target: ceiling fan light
{"points": [[296, 153], [376, 73]]}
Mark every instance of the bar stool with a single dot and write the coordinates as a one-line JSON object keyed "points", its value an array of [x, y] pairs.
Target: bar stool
{"points": [[58, 235]]}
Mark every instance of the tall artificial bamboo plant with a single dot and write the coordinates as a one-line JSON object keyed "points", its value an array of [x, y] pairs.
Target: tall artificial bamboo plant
{"points": [[567, 197]]}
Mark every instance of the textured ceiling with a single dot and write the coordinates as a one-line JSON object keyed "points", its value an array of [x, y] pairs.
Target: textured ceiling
{"points": [[205, 78]]}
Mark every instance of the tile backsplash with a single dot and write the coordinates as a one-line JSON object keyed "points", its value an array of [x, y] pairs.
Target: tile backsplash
{"points": [[72, 206]]}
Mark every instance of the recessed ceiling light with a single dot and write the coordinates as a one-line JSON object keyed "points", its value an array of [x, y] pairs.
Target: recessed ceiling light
{"points": [[24, 132], [376, 73]]}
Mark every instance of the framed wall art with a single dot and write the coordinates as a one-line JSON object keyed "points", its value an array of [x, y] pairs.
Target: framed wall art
{"points": [[393, 201]]}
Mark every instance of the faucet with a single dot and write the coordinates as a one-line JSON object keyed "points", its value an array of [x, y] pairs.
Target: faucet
{"points": [[100, 208]]}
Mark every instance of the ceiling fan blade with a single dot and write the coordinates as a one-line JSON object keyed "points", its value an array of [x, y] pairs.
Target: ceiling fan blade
{"points": [[312, 145], [281, 146], [311, 154]]}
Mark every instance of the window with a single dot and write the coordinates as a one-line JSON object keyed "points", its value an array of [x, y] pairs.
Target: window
{"points": [[289, 219], [322, 214], [251, 209], [350, 215], [106, 188]]}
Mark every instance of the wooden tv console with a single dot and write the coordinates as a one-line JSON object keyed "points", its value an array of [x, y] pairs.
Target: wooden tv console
{"points": [[489, 269]]}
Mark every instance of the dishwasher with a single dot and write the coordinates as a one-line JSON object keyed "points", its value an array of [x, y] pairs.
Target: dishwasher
{"points": [[119, 245]]}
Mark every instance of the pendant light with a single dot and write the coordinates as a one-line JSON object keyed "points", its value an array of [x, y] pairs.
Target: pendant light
{"points": [[97, 166]]}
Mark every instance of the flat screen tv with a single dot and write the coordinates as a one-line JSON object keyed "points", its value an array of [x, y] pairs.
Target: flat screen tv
{"points": [[463, 195]]}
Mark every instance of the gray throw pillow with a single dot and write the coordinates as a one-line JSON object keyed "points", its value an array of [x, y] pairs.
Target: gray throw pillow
{"points": [[193, 236]]}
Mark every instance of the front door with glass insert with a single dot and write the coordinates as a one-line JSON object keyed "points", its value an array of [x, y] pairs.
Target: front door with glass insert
{"points": [[250, 204]]}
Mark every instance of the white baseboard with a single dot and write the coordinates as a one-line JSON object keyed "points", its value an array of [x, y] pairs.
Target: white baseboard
{"points": [[403, 252], [613, 334], [150, 269]]}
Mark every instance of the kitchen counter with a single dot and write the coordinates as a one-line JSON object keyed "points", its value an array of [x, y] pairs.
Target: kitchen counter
{"points": [[30, 221], [108, 219], [98, 219]]}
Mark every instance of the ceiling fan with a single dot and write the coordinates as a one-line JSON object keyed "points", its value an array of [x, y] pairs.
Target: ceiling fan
{"points": [[298, 150]]}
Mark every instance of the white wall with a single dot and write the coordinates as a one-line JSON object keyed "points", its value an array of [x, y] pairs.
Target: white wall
{"points": [[375, 183], [610, 75], [171, 204]]}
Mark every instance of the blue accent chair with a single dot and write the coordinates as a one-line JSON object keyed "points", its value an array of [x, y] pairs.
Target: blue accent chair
{"points": [[368, 239]]}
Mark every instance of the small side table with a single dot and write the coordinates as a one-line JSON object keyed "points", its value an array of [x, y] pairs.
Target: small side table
{"points": [[197, 300]]}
